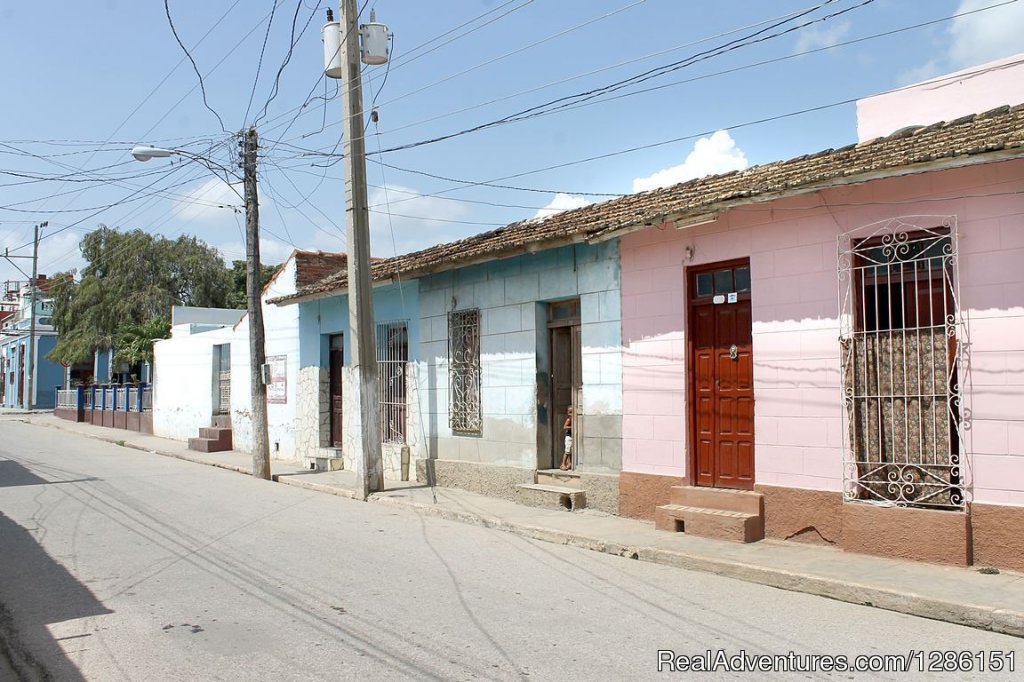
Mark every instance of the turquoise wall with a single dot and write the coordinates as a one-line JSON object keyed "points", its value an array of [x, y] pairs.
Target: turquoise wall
{"points": [[319, 319]]}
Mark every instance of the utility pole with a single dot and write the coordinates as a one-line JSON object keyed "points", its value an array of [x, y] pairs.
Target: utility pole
{"points": [[30, 400], [254, 307], [367, 441]]}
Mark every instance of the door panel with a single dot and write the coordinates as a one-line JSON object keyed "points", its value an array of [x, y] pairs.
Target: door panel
{"points": [[336, 362], [722, 386]]}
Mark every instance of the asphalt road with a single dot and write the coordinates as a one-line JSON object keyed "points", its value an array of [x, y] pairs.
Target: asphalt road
{"points": [[121, 565]]}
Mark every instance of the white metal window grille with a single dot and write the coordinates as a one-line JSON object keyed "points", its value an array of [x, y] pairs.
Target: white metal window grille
{"points": [[392, 358], [223, 359], [900, 332], [464, 370]]}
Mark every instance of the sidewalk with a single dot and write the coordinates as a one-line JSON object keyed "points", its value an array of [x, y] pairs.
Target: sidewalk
{"points": [[955, 595]]}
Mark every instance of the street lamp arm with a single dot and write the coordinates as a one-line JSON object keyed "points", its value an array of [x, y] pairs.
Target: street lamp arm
{"points": [[145, 153]]}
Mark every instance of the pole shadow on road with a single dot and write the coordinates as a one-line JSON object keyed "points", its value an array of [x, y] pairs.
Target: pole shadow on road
{"points": [[36, 591]]}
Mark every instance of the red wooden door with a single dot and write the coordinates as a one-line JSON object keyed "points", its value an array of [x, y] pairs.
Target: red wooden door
{"points": [[336, 362], [722, 380]]}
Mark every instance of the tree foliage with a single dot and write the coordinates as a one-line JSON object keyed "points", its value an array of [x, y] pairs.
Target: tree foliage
{"points": [[237, 295], [135, 341], [130, 279]]}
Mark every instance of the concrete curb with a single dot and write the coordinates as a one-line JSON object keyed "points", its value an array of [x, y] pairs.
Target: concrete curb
{"points": [[1004, 621], [982, 617], [289, 479], [142, 448]]}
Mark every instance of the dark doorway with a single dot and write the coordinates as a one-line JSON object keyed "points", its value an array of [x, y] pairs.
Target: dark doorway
{"points": [[721, 376], [336, 362], [566, 376]]}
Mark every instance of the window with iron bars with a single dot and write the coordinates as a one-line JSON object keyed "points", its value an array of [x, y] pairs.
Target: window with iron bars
{"points": [[464, 370], [900, 368], [392, 358]]}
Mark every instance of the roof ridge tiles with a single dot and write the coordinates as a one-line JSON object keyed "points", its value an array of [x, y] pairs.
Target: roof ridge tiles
{"points": [[992, 131]]}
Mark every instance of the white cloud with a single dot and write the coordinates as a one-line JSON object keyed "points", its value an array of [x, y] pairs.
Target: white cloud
{"points": [[561, 202], [710, 155], [985, 36], [417, 221], [272, 251], [57, 253], [974, 39], [202, 204], [819, 35]]}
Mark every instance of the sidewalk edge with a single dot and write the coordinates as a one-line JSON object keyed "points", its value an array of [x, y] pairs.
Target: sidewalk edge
{"points": [[1003, 621]]}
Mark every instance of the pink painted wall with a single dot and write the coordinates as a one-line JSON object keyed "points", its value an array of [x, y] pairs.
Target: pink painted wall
{"points": [[792, 247], [945, 98]]}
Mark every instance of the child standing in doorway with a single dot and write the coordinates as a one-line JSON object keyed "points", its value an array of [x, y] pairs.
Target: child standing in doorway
{"points": [[567, 429]]}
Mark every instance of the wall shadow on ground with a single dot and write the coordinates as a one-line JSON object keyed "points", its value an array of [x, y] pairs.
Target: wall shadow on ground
{"points": [[35, 591]]}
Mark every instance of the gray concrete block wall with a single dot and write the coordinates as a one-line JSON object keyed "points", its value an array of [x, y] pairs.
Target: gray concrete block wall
{"points": [[507, 293]]}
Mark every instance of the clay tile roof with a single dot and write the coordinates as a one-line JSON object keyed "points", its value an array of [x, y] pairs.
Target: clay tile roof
{"points": [[950, 143]]}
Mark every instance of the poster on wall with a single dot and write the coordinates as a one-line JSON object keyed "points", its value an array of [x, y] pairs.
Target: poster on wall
{"points": [[277, 388]]}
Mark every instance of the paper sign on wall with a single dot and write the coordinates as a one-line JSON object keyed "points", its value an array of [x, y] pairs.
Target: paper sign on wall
{"points": [[718, 299], [732, 297], [277, 387]]}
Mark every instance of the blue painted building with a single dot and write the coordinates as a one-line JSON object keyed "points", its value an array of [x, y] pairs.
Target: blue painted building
{"points": [[491, 351], [323, 412], [14, 357]]}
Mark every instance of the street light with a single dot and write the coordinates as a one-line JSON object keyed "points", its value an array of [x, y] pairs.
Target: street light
{"points": [[142, 152], [254, 305]]}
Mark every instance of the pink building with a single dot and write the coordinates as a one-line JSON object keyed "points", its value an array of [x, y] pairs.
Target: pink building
{"points": [[830, 349]]}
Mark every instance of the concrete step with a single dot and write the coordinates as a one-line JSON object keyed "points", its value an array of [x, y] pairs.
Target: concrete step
{"points": [[221, 435], [721, 524], [746, 501], [550, 496], [323, 463], [567, 479], [207, 445]]}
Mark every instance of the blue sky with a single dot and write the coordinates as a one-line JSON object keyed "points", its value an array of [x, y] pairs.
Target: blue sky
{"points": [[83, 81]]}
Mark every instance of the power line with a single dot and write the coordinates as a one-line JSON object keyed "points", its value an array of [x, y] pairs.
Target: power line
{"points": [[475, 183], [259, 62], [287, 58], [202, 86], [561, 102]]}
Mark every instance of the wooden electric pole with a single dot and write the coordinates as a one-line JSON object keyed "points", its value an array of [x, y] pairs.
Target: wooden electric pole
{"points": [[30, 400], [366, 443], [254, 307]]}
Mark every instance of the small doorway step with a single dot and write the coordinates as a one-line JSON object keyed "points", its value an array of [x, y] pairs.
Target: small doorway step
{"points": [[215, 438], [554, 489], [720, 513]]}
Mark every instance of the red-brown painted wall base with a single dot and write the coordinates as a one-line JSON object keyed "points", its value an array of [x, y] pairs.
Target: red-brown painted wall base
{"points": [[120, 420], [146, 423], [70, 413], [132, 421], [96, 417], [941, 537], [108, 419], [639, 494], [809, 516], [998, 536]]}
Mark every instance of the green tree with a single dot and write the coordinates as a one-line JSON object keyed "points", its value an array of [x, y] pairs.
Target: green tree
{"points": [[135, 341], [130, 279], [236, 297]]}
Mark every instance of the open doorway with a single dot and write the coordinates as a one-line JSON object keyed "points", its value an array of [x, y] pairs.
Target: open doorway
{"points": [[566, 379], [336, 362]]}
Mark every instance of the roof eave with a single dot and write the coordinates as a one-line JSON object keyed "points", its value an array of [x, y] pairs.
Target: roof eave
{"points": [[947, 163]]}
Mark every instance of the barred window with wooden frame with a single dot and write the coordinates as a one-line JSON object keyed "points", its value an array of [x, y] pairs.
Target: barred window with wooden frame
{"points": [[900, 362], [464, 370], [392, 359]]}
